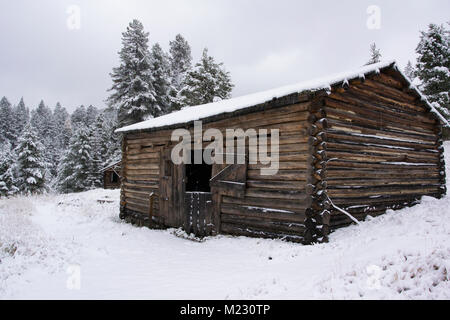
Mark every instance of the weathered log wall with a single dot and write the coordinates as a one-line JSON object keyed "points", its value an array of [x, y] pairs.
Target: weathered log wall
{"points": [[272, 206], [383, 146]]}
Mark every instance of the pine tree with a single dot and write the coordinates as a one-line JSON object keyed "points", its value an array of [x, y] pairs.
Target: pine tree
{"points": [[375, 54], [97, 151], [111, 141], [42, 121], [74, 171], [91, 115], [79, 117], [57, 146], [60, 116], [207, 82], [66, 134], [22, 117], [180, 65], [161, 74], [133, 94], [433, 66], [409, 71], [6, 122], [30, 163], [7, 178]]}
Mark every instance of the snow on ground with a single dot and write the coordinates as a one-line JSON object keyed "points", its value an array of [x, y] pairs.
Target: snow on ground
{"points": [[45, 241]]}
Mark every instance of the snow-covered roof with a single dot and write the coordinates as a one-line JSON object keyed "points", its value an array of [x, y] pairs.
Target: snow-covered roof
{"points": [[193, 113], [113, 164]]}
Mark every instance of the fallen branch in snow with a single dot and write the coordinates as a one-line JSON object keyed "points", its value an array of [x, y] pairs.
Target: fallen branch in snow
{"points": [[344, 212]]}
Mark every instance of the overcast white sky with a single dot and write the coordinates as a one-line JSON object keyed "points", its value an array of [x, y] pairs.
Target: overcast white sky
{"points": [[264, 44]]}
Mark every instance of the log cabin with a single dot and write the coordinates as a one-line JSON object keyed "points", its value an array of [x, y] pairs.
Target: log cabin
{"points": [[349, 145], [111, 175]]}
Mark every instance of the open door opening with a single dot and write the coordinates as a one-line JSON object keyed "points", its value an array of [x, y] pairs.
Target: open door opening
{"points": [[198, 198], [198, 177]]}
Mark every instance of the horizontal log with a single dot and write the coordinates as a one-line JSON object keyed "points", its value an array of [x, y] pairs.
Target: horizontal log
{"points": [[342, 136], [377, 174], [387, 199], [141, 177], [374, 157], [259, 212], [276, 185], [287, 205], [350, 164], [298, 195], [143, 172], [380, 182], [252, 232], [289, 175], [382, 133], [303, 165], [141, 156], [264, 224], [427, 155], [381, 190], [147, 166]]}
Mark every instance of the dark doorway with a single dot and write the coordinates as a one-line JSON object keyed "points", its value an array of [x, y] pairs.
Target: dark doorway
{"points": [[198, 176], [198, 199], [114, 177]]}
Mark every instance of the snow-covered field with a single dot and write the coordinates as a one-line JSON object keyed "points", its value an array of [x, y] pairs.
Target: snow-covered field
{"points": [[73, 246]]}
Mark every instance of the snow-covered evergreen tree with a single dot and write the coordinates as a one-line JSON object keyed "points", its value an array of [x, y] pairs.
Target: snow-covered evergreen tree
{"points": [[30, 163], [433, 66], [111, 141], [133, 95], [79, 117], [91, 115], [7, 178], [22, 117], [375, 54], [7, 126], [74, 171], [180, 65], [207, 82], [42, 121], [60, 116], [66, 134], [409, 71], [97, 152], [161, 79]]}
